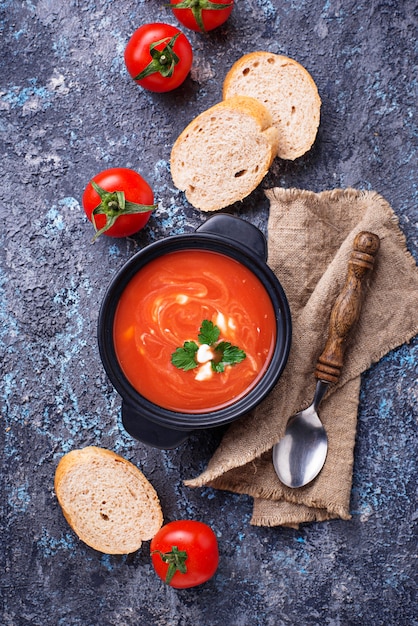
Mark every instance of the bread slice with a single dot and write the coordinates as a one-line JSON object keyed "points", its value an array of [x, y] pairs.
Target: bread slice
{"points": [[106, 500], [224, 153], [287, 90]]}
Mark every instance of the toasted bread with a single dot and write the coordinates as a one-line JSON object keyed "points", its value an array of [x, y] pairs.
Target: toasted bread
{"points": [[106, 500], [224, 153], [288, 91]]}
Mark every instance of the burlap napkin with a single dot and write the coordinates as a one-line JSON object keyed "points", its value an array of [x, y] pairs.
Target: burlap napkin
{"points": [[310, 237]]}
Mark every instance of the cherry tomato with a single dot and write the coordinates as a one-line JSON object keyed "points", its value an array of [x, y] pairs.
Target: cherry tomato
{"points": [[184, 553], [158, 57], [202, 15], [118, 202]]}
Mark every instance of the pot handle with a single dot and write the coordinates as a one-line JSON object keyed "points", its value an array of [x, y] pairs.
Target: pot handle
{"points": [[237, 230], [149, 432]]}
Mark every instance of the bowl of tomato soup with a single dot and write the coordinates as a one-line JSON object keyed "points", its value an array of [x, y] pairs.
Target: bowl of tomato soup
{"points": [[194, 331]]}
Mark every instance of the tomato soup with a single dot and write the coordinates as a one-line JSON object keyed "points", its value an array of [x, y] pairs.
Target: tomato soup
{"points": [[163, 306]]}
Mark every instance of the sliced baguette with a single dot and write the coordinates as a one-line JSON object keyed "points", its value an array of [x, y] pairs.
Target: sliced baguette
{"points": [[106, 500], [224, 153], [289, 92]]}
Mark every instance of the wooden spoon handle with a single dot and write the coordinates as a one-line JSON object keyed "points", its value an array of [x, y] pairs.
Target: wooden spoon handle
{"points": [[346, 310]]}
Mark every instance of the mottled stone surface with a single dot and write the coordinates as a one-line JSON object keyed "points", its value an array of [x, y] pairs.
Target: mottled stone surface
{"points": [[67, 110]]}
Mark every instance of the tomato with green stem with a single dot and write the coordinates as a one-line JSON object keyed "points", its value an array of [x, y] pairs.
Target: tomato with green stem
{"points": [[158, 57], [185, 553], [118, 202], [202, 15]]}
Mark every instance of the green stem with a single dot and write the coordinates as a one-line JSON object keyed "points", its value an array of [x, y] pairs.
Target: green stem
{"points": [[176, 560], [197, 6], [163, 61], [113, 204]]}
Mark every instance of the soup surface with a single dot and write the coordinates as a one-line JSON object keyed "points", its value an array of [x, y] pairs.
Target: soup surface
{"points": [[164, 305]]}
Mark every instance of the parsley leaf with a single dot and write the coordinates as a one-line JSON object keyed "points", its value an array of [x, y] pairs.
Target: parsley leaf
{"points": [[209, 333], [184, 358], [225, 353], [230, 355]]}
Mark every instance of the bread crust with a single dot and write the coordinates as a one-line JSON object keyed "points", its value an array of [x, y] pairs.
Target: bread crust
{"points": [[77, 479], [246, 77], [186, 169], [248, 105]]}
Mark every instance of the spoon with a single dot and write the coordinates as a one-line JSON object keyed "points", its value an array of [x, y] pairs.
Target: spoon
{"points": [[300, 455]]}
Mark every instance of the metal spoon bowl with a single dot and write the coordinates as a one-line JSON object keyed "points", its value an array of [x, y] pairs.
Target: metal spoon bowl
{"points": [[300, 455]]}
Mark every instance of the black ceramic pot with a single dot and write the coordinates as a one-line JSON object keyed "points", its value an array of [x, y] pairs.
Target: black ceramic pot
{"points": [[146, 421]]}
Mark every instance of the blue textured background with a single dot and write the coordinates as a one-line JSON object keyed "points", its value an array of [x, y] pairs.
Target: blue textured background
{"points": [[67, 110]]}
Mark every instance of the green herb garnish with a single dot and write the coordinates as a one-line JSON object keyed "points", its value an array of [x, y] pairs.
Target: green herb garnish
{"points": [[209, 333], [225, 353], [229, 355], [185, 358]]}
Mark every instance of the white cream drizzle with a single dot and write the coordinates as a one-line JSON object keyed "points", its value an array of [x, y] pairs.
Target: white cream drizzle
{"points": [[204, 372], [204, 353]]}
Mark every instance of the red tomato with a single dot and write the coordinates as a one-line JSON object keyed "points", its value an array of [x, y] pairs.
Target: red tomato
{"points": [[118, 202], [185, 553], [202, 15], [158, 57]]}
